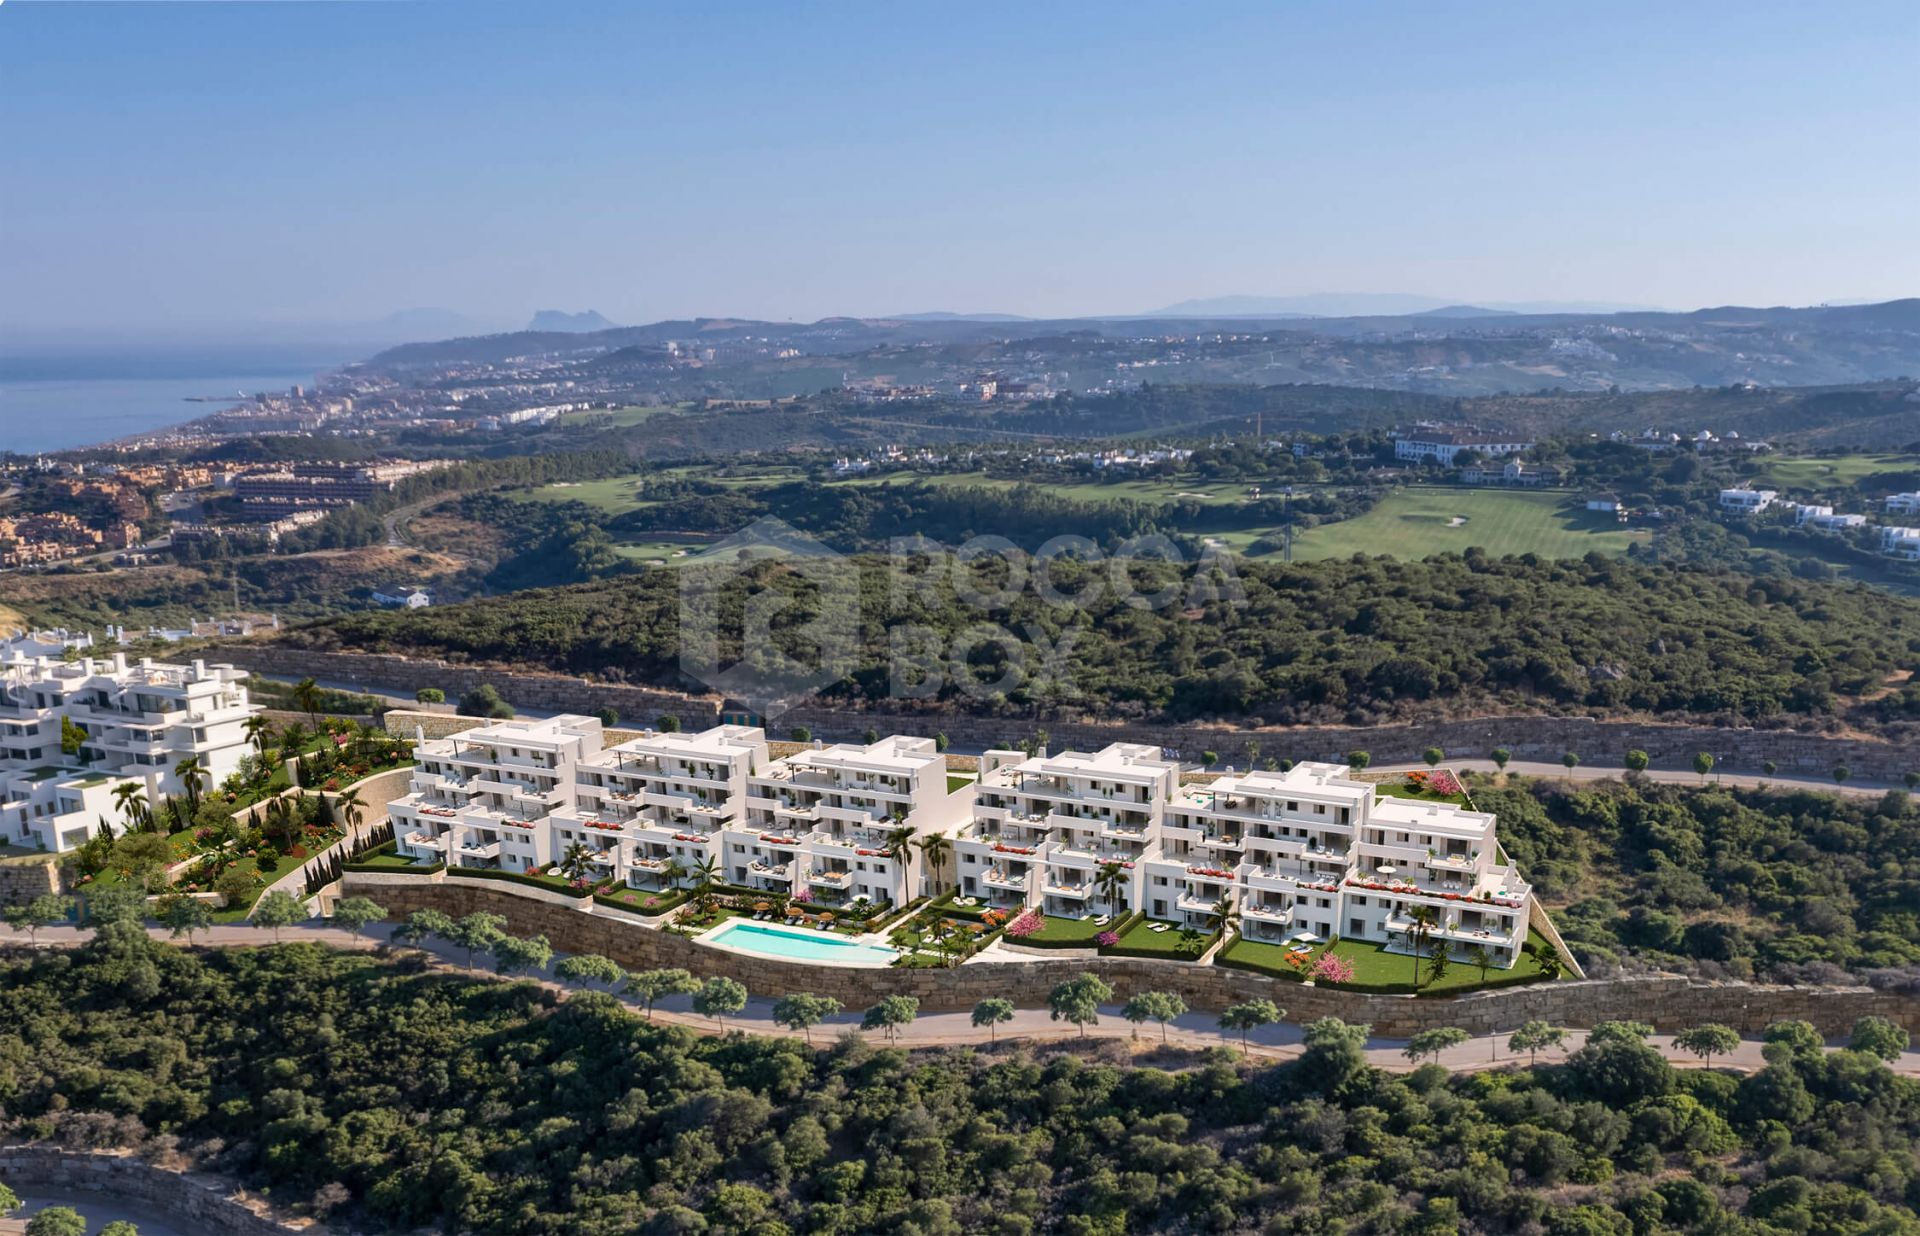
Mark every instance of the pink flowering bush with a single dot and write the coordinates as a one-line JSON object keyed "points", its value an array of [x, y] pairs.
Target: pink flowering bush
{"points": [[1331, 969], [1443, 782], [1025, 924], [805, 894], [1107, 939]]}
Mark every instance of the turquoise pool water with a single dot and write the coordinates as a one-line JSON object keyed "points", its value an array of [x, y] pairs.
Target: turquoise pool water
{"points": [[797, 944]]}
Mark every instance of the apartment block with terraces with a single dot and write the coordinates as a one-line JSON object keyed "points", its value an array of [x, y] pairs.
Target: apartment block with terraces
{"points": [[1067, 833], [1313, 852], [839, 823], [73, 731], [482, 798], [652, 809]]}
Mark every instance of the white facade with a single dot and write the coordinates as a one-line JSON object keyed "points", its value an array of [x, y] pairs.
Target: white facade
{"points": [[1045, 828], [1446, 445], [839, 823], [482, 798], [1901, 543], [1830, 522], [139, 722], [652, 811], [1747, 501], [1903, 504], [1308, 852]]}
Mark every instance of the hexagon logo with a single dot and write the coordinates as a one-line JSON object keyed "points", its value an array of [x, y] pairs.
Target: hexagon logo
{"points": [[768, 616]]}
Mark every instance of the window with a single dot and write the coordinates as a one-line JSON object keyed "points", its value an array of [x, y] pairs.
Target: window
{"points": [[1356, 927]]}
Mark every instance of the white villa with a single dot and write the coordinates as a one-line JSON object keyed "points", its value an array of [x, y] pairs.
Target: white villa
{"points": [[1903, 504], [653, 807], [137, 723], [1747, 501]]}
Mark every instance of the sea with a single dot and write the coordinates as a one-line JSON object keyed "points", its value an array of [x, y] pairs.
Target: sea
{"points": [[62, 399]]}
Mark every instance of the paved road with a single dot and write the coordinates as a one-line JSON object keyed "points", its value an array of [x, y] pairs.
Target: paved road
{"points": [[945, 1029]]}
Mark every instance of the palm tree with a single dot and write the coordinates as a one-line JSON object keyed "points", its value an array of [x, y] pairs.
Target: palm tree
{"points": [[674, 872], [935, 850], [131, 798], [1423, 918], [576, 860], [350, 808], [193, 775], [706, 874], [1224, 914], [898, 839], [259, 733], [1109, 879], [306, 693]]}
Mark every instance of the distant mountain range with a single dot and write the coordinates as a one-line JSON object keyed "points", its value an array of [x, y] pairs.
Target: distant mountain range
{"points": [[570, 323], [1373, 304]]}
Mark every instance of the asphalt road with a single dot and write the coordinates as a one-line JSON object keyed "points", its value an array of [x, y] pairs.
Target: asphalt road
{"points": [[946, 1029]]}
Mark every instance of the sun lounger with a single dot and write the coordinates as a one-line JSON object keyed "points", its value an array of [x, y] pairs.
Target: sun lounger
{"points": [[1160, 927]]}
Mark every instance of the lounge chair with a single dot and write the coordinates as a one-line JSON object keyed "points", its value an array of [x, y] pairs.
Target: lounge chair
{"points": [[1160, 927]]}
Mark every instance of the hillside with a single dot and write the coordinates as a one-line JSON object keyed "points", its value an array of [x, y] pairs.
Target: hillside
{"points": [[1361, 641]]}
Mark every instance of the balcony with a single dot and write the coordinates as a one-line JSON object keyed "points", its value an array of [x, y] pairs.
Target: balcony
{"points": [[479, 849], [770, 871], [426, 841], [1267, 913], [831, 879], [1079, 892], [1451, 862], [995, 877]]}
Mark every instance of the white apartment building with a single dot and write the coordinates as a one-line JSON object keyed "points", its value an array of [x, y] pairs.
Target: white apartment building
{"points": [[825, 821], [1827, 521], [482, 798], [1044, 828], [652, 809], [1747, 501], [138, 721], [1901, 543], [1444, 445], [1314, 852], [1903, 504]]}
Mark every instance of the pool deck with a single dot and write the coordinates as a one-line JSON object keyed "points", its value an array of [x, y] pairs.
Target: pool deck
{"points": [[863, 960]]}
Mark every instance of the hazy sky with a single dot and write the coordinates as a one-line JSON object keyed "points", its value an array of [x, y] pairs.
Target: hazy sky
{"points": [[211, 163]]}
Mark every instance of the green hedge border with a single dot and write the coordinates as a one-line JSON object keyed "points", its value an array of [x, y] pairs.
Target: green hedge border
{"points": [[675, 899], [1385, 989], [543, 882], [1117, 928], [359, 863]]}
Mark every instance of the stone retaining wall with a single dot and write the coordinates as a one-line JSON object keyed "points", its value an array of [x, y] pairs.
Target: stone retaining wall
{"points": [[1669, 1003], [198, 1204], [21, 880], [1546, 738]]}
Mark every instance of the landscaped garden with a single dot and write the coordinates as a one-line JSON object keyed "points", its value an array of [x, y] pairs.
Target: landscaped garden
{"points": [[235, 838], [1437, 786], [946, 933], [1172, 942], [1377, 970]]}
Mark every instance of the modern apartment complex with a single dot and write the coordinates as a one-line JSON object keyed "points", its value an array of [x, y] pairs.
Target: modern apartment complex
{"points": [[831, 824], [1066, 833], [131, 722], [1308, 852], [843, 820]]}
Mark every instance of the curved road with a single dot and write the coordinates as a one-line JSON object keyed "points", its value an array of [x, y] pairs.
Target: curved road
{"points": [[949, 1029]]}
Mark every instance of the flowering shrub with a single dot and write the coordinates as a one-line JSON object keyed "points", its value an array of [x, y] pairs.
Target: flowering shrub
{"points": [[993, 918], [1331, 969], [1443, 782], [1025, 925], [805, 894], [1107, 939]]}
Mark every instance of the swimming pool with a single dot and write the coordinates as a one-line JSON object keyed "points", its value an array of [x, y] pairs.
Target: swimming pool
{"points": [[798, 944]]}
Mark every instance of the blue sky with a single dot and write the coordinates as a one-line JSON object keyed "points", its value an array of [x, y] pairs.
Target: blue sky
{"points": [[216, 163]]}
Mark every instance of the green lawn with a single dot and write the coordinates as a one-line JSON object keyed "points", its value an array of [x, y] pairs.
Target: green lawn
{"points": [[958, 781], [617, 418], [1809, 473], [636, 900], [1142, 939], [1063, 933], [1398, 788], [1377, 970], [1420, 521]]}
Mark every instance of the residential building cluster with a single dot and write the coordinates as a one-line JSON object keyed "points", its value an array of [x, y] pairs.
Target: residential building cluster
{"points": [[834, 824], [73, 731], [1308, 852], [26, 540], [1895, 540], [1446, 443], [271, 494]]}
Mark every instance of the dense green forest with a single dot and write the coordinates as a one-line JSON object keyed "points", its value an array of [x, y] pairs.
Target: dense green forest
{"points": [[1353, 641], [1718, 880], [394, 1098]]}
